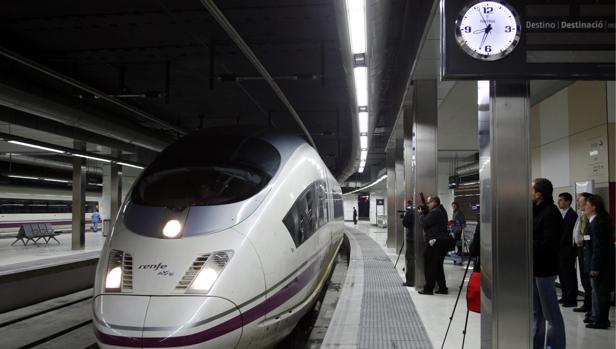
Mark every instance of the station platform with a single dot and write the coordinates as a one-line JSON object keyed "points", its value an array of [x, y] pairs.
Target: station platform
{"points": [[19, 258], [375, 311]]}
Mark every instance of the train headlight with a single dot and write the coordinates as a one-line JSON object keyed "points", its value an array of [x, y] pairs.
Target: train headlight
{"points": [[209, 273], [205, 280], [172, 229], [114, 279], [119, 275]]}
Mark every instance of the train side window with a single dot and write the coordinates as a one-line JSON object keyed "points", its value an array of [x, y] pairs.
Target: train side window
{"points": [[323, 204], [291, 221], [302, 219]]}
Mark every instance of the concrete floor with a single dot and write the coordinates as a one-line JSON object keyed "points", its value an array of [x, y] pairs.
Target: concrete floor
{"points": [[19, 258], [435, 311]]}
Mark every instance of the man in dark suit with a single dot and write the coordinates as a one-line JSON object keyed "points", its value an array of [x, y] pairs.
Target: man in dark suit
{"points": [[567, 253]]}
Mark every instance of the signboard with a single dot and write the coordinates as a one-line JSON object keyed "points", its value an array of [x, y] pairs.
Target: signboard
{"points": [[380, 205], [560, 39]]}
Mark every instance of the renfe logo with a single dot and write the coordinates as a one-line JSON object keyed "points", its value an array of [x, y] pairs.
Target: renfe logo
{"points": [[154, 267]]}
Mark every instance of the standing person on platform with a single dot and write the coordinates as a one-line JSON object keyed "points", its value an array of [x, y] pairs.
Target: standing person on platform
{"points": [[578, 239], [567, 252], [96, 220], [599, 260], [547, 229], [409, 239], [434, 223], [459, 223], [354, 216]]}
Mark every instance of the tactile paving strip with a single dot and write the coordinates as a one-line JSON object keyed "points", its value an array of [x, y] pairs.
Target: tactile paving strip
{"points": [[388, 316]]}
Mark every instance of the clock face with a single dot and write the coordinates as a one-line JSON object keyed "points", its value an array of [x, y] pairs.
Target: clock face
{"points": [[488, 30]]}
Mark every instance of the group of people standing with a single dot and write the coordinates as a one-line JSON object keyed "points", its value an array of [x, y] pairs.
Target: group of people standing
{"points": [[559, 238]]}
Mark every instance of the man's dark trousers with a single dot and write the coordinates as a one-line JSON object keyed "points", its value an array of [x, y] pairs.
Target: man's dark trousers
{"points": [[567, 274], [410, 262], [585, 278], [433, 265]]}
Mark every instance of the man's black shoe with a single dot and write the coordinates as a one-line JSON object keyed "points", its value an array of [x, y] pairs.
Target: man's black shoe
{"points": [[569, 304], [587, 320], [581, 309], [444, 291], [598, 325], [561, 301], [407, 284], [430, 293]]}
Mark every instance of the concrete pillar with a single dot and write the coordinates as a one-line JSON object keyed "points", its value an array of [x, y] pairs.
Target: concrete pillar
{"points": [[78, 232], [506, 235], [425, 123]]}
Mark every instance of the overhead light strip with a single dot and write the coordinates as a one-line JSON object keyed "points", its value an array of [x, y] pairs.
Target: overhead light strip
{"points": [[367, 186], [36, 146], [356, 20], [64, 150]]}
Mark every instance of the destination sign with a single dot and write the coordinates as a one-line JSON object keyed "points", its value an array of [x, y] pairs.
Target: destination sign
{"points": [[559, 39]]}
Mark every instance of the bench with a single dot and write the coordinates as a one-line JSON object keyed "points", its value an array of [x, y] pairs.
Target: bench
{"points": [[34, 232]]}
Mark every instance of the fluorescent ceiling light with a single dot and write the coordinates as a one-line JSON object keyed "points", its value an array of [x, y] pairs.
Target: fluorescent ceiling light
{"points": [[363, 122], [91, 157], [361, 170], [362, 163], [356, 18], [129, 165], [368, 186], [55, 180], [22, 177], [37, 146], [97, 184], [364, 155], [363, 142], [361, 85]]}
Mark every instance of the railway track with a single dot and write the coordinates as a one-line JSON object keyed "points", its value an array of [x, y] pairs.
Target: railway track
{"points": [[63, 322]]}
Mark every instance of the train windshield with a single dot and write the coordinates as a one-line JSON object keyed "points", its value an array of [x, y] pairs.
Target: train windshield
{"points": [[207, 171]]}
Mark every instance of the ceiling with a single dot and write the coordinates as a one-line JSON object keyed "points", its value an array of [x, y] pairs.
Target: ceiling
{"points": [[166, 67], [172, 61]]}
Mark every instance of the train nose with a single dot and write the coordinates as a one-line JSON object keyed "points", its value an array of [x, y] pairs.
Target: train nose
{"points": [[166, 322]]}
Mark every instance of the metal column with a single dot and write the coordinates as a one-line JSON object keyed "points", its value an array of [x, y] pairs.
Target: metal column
{"points": [[425, 123], [409, 179], [78, 233], [400, 187], [116, 192], [392, 215], [506, 235]]}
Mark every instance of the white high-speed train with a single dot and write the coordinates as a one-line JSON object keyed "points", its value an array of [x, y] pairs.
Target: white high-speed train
{"points": [[225, 241]]}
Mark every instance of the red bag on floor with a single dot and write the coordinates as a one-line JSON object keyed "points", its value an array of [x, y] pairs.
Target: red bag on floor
{"points": [[473, 293]]}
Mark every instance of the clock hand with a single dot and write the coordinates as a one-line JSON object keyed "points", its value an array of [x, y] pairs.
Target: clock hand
{"points": [[485, 35], [478, 31], [481, 14]]}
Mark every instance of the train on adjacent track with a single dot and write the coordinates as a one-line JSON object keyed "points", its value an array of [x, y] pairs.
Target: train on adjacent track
{"points": [[224, 241], [30, 204]]}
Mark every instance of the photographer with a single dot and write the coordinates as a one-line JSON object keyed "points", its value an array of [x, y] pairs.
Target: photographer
{"points": [[409, 235], [434, 222]]}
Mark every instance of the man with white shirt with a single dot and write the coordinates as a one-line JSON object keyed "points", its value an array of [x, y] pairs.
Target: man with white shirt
{"points": [[567, 253], [578, 239]]}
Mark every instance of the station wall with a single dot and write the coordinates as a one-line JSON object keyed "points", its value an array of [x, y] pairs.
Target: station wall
{"points": [[572, 137]]}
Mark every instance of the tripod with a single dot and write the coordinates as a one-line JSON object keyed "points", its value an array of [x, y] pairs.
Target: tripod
{"points": [[455, 305], [401, 247]]}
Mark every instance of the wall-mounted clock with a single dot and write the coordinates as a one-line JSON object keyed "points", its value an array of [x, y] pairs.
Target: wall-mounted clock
{"points": [[488, 30]]}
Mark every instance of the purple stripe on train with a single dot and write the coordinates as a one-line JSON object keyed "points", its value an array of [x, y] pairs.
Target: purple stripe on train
{"points": [[279, 298]]}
